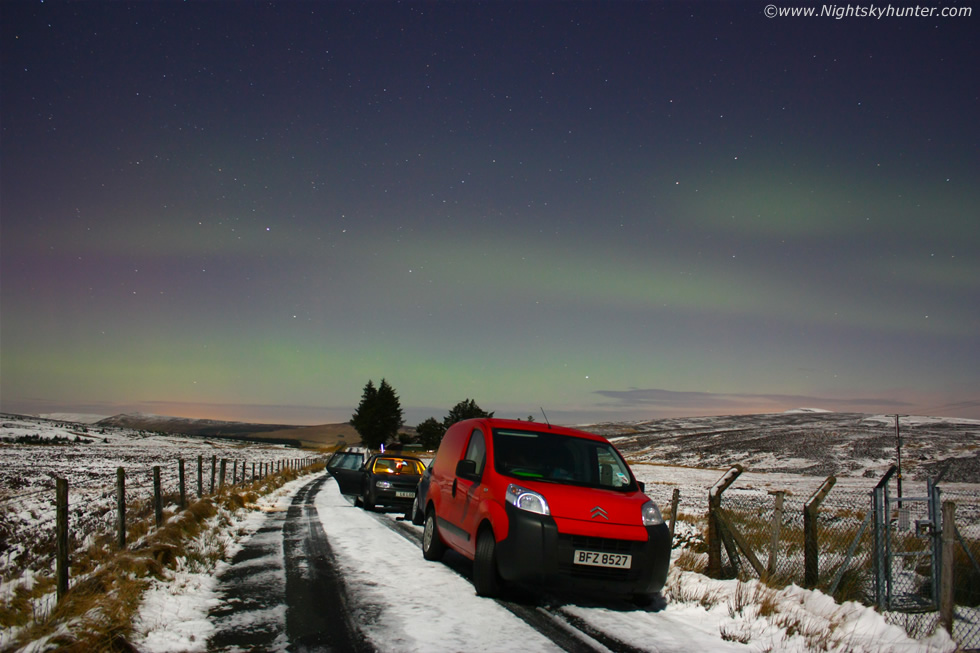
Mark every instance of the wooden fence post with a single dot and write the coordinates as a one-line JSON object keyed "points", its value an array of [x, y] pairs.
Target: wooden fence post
{"points": [[811, 547], [200, 476], [221, 477], [183, 488], [157, 497], [61, 566], [777, 525], [121, 506], [733, 538], [234, 472], [214, 462], [946, 574], [675, 499], [714, 534]]}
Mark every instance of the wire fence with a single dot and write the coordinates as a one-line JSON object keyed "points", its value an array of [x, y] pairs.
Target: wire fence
{"points": [[845, 552], [842, 532], [103, 511]]}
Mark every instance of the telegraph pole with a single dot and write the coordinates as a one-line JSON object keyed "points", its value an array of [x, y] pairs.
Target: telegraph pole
{"points": [[898, 448]]}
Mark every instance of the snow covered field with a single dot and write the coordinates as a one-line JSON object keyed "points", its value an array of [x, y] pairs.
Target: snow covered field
{"points": [[404, 603], [88, 458], [811, 443], [425, 606]]}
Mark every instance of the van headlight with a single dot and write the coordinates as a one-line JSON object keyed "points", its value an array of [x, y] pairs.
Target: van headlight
{"points": [[651, 514], [525, 499], [384, 485]]}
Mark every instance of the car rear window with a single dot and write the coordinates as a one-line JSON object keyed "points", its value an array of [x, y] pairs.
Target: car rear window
{"points": [[543, 456], [397, 466]]}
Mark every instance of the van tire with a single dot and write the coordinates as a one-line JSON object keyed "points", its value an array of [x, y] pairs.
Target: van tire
{"points": [[432, 545], [486, 578], [642, 600]]}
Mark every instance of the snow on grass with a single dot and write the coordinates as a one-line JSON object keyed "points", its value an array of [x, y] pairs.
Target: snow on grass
{"points": [[88, 458], [406, 603]]}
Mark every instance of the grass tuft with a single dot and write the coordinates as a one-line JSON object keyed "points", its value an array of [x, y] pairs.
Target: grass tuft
{"points": [[689, 560]]}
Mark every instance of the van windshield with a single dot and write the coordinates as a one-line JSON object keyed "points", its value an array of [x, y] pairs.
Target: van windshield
{"points": [[542, 456]]}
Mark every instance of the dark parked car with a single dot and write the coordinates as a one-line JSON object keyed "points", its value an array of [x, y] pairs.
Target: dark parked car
{"points": [[384, 480], [417, 515]]}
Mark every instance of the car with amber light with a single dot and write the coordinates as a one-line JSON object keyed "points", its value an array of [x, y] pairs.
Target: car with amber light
{"points": [[384, 480]]}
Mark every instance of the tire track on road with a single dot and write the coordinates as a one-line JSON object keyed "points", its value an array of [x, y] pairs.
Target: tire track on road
{"points": [[282, 591], [252, 589], [317, 616]]}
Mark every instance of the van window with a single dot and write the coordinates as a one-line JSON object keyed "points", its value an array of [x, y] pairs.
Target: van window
{"points": [[561, 459], [477, 450]]}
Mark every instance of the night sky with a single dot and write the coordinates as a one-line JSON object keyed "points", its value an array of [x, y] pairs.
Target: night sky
{"points": [[610, 211]]}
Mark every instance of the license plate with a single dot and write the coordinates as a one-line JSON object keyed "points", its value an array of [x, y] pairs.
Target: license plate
{"points": [[405, 495], [600, 559]]}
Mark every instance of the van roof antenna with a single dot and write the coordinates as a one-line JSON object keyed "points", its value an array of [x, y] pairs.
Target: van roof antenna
{"points": [[546, 421]]}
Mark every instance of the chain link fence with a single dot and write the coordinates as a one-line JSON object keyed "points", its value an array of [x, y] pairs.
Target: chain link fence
{"points": [[766, 535], [966, 568]]}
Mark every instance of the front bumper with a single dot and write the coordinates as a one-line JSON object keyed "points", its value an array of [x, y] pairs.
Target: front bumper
{"points": [[534, 552], [390, 496]]}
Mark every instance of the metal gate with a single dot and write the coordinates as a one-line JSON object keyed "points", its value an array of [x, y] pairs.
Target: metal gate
{"points": [[907, 548]]}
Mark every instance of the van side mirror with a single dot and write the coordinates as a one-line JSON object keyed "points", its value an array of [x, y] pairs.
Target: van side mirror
{"points": [[466, 468], [642, 486]]}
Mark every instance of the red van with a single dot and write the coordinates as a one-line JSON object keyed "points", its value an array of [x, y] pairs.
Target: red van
{"points": [[538, 504]]}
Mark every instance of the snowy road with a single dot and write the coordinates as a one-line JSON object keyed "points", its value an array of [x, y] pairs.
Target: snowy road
{"points": [[314, 573], [327, 576]]}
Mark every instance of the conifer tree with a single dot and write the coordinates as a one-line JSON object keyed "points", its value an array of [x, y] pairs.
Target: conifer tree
{"points": [[466, 409], [379, 415], [430, 433]]}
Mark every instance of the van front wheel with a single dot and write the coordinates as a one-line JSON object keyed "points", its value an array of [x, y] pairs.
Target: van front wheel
{"points": [[486, 578]]}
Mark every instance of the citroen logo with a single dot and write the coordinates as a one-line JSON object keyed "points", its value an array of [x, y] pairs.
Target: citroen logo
{"points": [[599, 512]]}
